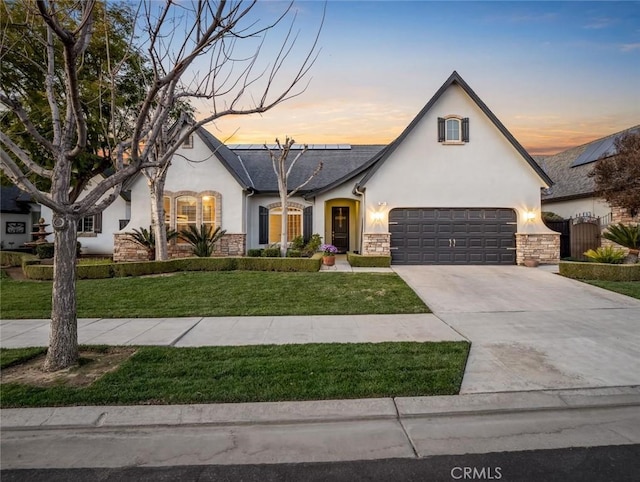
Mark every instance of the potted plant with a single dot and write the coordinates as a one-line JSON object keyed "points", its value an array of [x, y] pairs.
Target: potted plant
{"points": [[328, 254]]}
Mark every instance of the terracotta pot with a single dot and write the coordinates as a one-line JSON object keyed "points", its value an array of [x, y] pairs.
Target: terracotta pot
{"points": [[531, 263], [328, 260]]}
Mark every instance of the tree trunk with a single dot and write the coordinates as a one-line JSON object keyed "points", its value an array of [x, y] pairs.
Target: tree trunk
{"points": [[284, 225], [63, 337], [156, 191]]}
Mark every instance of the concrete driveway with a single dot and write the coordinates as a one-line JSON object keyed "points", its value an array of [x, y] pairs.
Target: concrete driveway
{"points": [[532, 329]]}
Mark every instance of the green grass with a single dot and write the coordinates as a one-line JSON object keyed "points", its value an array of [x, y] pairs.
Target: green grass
{"points": [[164, 375], [14, 356], [629, 288], [234, 293]]}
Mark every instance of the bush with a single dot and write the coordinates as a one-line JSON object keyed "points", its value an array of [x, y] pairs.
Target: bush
{"points": [[271, 253], [313, 245], [255, 253], [297, 243], [13, 258], [606, 254], [94, 271], [279, 264], [141, 268], [38, 271], [203, 264], [202, 240], [366, 261], [600, 271], [45, 250], [294, 253]]}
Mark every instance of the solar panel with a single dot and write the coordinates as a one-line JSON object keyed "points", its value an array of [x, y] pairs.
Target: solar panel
{"points": [[314, 147], [602, 148]]}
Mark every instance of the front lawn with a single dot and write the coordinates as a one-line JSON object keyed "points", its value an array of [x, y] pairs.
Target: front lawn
{"points": [[166, 375], [629, 288], [232, 293]]}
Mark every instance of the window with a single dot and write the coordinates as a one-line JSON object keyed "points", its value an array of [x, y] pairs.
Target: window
{"points": [[166, 206], [188, 143], [186, 210], [90, 224], [209, 211], [294, 224], [453, 130]]}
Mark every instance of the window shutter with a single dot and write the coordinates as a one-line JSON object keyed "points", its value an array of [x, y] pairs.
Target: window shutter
{"points": [[440, 129], [307, 223], [97, 223], [465, 129], [263, 226]]}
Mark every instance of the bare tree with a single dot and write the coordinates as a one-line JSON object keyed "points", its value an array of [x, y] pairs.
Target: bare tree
{"points": [[282, 170], [190, 48]]}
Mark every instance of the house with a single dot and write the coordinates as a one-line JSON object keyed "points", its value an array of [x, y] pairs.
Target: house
{"points": [[573, 193], [19, 213], [454, 188]]}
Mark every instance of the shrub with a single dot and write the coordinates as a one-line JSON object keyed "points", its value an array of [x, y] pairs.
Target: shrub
{"points": [[297, 243], [255, 253], [279, 264], [203, 239], [147, 239], [312, 245], [45, 250], [271, 253], [294, 253], [141, 268], [204, 264], [366, 261], [600, 271], [94, 271], [38, 271], [12, 258], [606, 254]]}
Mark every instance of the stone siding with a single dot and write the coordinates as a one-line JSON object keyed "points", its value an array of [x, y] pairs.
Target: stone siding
{"points": [[619, 215], [125, 249], [378, 244], [544, 248]]}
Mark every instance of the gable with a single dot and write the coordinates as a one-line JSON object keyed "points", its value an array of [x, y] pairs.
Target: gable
{"points": [[435, 107]]}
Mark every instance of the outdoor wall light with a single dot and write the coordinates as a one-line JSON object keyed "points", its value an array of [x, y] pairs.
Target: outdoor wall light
{"points": [[377, 216], [529, 215]]}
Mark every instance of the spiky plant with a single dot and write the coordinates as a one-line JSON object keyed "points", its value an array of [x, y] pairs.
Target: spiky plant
{"points": [[627, 235], [607, 254], [145, 238], [203, 239]]}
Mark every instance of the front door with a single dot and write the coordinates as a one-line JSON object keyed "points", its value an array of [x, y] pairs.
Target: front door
{"points": [[340, 228]]}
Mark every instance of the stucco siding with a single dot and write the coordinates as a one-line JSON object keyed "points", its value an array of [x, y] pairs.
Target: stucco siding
{"points": [[487, 171], [567, 209]]}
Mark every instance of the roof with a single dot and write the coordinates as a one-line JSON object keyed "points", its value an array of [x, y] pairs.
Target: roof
{"points": [[455, 78], [571, 179], [337, 161], [14, 200]]}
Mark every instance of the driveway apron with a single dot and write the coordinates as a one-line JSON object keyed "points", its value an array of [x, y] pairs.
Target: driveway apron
{"points": [[532, 329]]}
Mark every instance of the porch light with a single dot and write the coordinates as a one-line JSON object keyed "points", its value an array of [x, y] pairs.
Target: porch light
{"points": [[377, 216], [529, 215]]}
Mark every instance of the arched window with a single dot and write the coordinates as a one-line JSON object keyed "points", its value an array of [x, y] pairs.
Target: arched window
{"points": [[294, 224], [453, 130]]}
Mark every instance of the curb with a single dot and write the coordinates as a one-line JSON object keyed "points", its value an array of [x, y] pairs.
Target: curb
{"points": [[320, 411]]}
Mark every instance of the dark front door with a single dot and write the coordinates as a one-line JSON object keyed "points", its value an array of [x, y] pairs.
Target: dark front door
{"points": [[340, 228]]}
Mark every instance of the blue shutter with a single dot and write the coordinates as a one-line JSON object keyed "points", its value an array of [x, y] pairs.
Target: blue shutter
{"points": [[263, 225], [441, 134], [307, 223], [465, 129]]}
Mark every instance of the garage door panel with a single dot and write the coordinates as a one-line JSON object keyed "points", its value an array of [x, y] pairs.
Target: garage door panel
{"points": [[426, 236]]}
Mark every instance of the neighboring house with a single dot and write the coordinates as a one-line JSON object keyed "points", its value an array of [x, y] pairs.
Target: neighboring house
{"points": [[573, 193], [19, 213], [454, 188]]}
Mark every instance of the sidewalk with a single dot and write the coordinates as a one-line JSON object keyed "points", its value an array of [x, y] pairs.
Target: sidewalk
{"points": [[330, 430]]}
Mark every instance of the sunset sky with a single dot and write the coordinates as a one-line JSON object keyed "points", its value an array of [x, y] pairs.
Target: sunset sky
{"points": [[557, 74]]}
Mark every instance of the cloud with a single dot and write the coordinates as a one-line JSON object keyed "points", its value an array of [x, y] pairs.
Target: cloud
{"points": [[599, 23], [630, 47]]}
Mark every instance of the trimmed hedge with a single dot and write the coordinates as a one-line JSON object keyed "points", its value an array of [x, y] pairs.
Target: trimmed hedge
{"points": [[33, 270], [271, 253], [280, 264], [600, 271], [15, 258], [368, 261]]}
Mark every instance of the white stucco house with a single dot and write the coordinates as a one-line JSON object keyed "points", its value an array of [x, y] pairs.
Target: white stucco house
{"points": [[454, 188]]}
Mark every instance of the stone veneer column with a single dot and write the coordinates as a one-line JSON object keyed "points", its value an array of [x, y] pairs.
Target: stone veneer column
{"points": [[231, 245], [542, 247], [378, 244], [619, 215], [125, 249]]}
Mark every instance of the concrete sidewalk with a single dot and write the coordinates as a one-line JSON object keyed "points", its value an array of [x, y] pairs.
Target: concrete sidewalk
{"points": [[330, 430], [239, 330]]}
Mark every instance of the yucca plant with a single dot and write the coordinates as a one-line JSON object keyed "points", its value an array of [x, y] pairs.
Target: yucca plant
{"points": [[606, 254], [147, 239], [627, 235], [203, 239]]}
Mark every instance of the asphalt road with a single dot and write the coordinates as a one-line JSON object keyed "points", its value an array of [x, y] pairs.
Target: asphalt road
{"points": [[595, 464]]}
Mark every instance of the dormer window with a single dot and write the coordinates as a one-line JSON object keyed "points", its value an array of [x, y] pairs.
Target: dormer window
{"points": [[453, 129]]}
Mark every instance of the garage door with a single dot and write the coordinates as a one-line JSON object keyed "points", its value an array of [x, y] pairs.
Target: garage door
{"points": [[452, 236]]}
